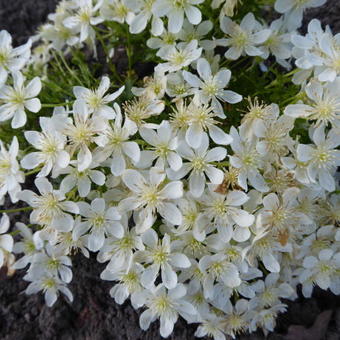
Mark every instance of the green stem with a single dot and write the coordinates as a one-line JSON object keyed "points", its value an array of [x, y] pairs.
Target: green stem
{"points": [[34, 171], [56, 105], [10, 211], [69, 69]]}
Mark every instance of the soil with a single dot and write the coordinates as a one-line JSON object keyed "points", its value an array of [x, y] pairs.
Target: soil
{"points": [[93, 314]]}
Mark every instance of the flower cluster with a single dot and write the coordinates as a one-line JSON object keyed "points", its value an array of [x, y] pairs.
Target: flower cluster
{"points": [[197, 210]]}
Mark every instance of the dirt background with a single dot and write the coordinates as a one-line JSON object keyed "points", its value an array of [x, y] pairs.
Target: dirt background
{"points": [[93, 314]]}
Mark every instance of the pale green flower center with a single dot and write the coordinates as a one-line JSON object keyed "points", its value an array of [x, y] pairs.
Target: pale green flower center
{"points": [[162, 150], [48, 283], [179, 3], [4, 56], [98, 221], [126, 243], [210, 88], [216, 268], [131, 281], [160, 256], [151, 196], [161, 304], [53, 264], [198, 164]]}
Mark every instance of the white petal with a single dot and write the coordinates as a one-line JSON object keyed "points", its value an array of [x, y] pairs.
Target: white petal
{"points": [[169, 277], [172, 190]]}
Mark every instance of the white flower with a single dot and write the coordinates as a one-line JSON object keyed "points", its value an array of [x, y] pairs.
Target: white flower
{"points": [[178, 57], [51, 261], [164, 143], [247, 159], [224, 212], [211, 87], [100, 221], [57, 33], [10, 175], [50, 285], [274, 139], [120, 251], [266, 318], [218, 268], [81, 179], [50, 207], [82, 133], [257, 112], [118, 11], [238, 318], [12, 59], [15, 100], [322, 159], [324, 106], [29, 244], [160, 257], [263, 246], [129, 283], [174, 10], [84, 18], [243, 39], [154, 87], [199, 165], [198, 32], [278, 42], [149, 197], [144, 14], [269, 291], [166, 306], [51, 144], [294, 10], [282, 213], [96, 100], [322, 270], [211, 325], [6, 240], [115, 143]]}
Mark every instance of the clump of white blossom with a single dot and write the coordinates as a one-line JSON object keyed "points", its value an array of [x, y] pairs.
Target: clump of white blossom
{"points": [[194, 217]]}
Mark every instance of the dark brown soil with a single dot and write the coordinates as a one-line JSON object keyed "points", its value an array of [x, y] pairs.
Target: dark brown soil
{"points": [[94, 315]]}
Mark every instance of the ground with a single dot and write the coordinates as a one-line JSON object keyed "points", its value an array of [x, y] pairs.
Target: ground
{"points": [[93, 314]]}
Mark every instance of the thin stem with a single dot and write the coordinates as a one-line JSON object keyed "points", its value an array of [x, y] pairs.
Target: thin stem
{"points": [[34, 171], [69, 69], [56, 105], [10, 211]]}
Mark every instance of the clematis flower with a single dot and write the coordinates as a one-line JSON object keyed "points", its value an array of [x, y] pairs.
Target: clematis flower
{"points": [[165, 305], [96, 100], [50, 285], [10, 175], [149, 197], [100, 221], [164, 143], [51, 144], [294, 10], [199, 165], [84, 18], [15, 100], [324, 106], [211, 87], [178, 57], [243, 39], [50, 207], [114, 141], [175, 10], [12, 59], [6, 240], [159, 256], [322, 159]]}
